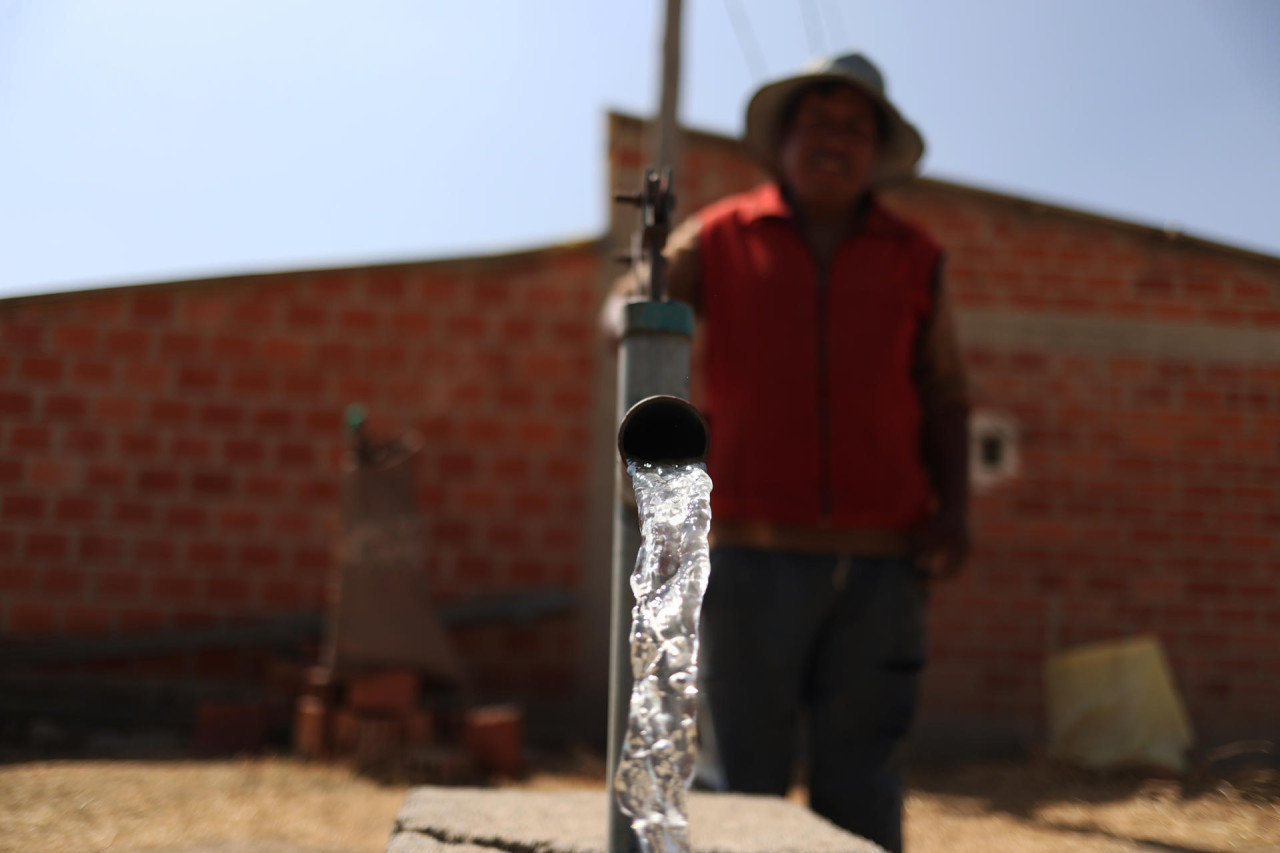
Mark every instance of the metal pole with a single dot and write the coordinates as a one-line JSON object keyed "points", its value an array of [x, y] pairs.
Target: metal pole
{"points": [[653, 358], [667, 151]]}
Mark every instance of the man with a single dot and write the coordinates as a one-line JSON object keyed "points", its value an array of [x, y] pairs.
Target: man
{"points": [[839, 445]]}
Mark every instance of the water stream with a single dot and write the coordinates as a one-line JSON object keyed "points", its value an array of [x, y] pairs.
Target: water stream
{"points": [[670, 577]]}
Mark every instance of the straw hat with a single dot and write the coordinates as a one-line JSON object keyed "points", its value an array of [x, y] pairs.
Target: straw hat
{"points": [[903, 145]]}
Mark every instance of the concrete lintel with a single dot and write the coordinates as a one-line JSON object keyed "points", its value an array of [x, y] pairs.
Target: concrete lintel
{"points": [[1010, 329]]}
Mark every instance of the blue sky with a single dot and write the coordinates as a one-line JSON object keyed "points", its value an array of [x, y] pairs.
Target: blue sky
{"points": [[145, 140]]}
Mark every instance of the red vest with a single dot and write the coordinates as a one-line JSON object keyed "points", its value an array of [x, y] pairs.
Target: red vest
{"points": [[814, 415]]}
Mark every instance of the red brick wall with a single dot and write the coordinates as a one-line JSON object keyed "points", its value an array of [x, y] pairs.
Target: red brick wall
{"points": [[1147, 501], [1143, 372], [169, 454]]}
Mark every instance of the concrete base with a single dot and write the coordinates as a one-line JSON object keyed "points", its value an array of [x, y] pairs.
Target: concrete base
{"points": [[469, 820]]}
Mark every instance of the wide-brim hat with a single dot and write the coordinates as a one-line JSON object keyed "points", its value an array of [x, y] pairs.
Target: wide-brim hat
{"points": [[903, 145]]}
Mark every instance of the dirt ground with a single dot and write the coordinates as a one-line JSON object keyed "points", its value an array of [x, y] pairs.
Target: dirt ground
{"points": [[82, 806]]}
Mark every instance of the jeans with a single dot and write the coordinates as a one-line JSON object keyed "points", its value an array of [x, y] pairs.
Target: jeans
{"points": [[839, 640]]}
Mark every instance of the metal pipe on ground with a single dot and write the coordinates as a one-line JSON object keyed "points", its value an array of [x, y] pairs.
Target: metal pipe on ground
{"points": [[653, 362]]}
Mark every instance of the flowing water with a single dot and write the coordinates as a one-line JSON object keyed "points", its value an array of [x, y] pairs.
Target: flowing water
{"points": [[670, 577]]}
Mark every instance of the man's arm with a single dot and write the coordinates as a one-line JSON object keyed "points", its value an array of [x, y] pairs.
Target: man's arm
{"points": [[681, 253], [942, 545]]}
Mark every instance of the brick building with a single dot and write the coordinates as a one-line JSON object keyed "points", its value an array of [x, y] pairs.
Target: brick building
{"points": [[169, 453]]}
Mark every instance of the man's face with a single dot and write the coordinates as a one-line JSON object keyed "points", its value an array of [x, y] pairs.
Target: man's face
{"points": [[829, 148]]}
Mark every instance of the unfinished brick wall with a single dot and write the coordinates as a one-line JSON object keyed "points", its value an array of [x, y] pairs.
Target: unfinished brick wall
{"points": [[170, 455], [1143, 373]]}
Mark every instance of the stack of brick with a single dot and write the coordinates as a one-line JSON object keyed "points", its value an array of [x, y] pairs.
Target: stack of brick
{"points": [[383, 722]]}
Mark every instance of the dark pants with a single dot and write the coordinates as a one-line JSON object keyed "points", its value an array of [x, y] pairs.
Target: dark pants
{"points": [[838, 639]]}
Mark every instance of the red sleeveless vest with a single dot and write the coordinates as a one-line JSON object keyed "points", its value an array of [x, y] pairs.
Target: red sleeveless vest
{"points": [[813, 412]]}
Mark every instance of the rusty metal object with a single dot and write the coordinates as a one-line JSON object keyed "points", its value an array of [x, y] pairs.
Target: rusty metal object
{"points": [[382, 614]]}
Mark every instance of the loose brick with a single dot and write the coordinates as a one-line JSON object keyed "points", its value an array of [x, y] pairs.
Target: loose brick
{"points": [[345, 732], [230, 728], [495, 736], [378, 740], [311, 727], [392, 692]]}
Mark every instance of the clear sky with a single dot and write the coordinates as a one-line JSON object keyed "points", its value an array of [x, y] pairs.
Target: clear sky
{"points": [[145, 140]]}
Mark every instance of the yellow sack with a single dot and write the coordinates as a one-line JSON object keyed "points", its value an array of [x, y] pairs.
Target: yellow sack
{"points": [[1113, 704]]}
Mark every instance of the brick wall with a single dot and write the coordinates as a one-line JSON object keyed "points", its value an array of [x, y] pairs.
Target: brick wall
{"points": [[169, 455], [1142, 370]]}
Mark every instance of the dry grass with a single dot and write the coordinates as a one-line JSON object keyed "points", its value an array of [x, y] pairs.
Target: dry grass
{"points": [[75, 806], [81, 806]]}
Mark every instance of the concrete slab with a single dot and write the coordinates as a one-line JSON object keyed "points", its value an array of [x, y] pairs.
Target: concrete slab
{"points": [[471, 820], [250, 847]]}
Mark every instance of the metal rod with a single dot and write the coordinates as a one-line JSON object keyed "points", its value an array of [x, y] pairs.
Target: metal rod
{"points": [[667, 153]]}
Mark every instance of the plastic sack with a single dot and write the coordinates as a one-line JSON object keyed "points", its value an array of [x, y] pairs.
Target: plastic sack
{"points": [[1114, 704]]}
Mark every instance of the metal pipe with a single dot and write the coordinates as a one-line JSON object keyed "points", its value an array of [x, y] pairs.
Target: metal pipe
{"points": [[663, 429], [653, 361]]}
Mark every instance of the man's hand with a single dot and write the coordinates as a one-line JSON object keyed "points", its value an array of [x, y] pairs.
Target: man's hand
{"points": [[941, 546]]}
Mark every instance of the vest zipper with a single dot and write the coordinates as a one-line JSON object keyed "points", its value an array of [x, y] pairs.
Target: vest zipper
{"points": [[824, 402]]}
